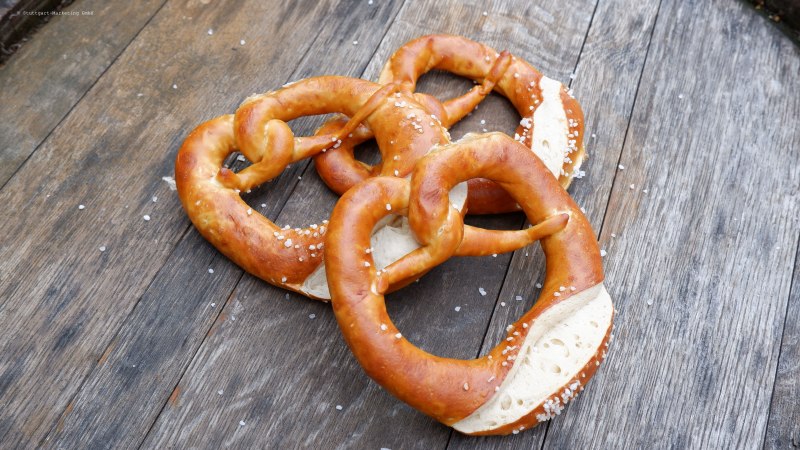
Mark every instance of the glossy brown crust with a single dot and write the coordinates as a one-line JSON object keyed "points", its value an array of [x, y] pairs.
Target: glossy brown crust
{"points": [[246, 237], [449, 389], [509, 76], [210, 193], [338, 168]]}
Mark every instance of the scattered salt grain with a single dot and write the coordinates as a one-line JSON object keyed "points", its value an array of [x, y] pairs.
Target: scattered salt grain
{"points": [[146, 217], [457, 308], [338, 407], [171, 182], [482, 291], [210, 270], [603, 252], [621, 167], [210, 33], [241, 42], [102, 248], [241, 423], [312, 316], [518, 298], [220, 392], [81, 206]]}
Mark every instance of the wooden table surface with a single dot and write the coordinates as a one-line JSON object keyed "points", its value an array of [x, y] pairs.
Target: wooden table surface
{"points": [[116, 334]]}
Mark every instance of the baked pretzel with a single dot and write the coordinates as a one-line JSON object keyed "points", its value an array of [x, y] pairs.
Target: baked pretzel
{"points": [[289, 257], [551, 125], [549, 354]]}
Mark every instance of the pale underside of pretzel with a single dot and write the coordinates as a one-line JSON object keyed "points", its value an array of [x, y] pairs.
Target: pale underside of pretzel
{"points": [[289, 257], [548, 355], [551, 125]]}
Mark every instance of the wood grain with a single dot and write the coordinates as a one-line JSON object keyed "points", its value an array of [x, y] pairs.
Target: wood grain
{"points": [[140, 345], [17, 22], [179, 307], [701, 263], [281, 372], [69, 301], [783, 428], [607, 111], [51, 73]]}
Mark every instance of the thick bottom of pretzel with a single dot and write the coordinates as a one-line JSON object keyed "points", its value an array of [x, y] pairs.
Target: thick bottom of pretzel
{"points": [[548, 370]]}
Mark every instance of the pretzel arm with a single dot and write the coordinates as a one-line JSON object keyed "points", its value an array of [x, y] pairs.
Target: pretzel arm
{"points": [[483, 242], [458, 107], [422, 259], [337, 167], [280, 141]]}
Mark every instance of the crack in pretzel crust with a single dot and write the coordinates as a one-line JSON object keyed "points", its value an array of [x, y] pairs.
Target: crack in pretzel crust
{"points": [[461, 393], [552, 123]]}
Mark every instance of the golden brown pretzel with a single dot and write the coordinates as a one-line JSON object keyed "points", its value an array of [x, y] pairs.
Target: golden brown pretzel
{"points": [[551, 125], [549, 353], [292, 257]]}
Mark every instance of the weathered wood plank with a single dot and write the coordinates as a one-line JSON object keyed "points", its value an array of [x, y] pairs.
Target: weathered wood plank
{"points": [[64, 299], [602, 64], [52, 72], [19, 18], [783, 428], [184, 300], [701, 264], [281, 372]]}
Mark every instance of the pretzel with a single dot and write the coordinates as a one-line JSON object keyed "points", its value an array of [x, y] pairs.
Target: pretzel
{"points": [[551, 125], [292, 258], [549, 354]]}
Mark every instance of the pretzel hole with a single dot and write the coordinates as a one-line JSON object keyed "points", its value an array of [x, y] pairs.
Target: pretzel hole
{"points": [[495, 110]]}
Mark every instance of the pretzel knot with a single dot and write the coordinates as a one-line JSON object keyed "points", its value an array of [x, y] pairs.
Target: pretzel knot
{"points": [[551, 124], [548, 355], [288, 257]]}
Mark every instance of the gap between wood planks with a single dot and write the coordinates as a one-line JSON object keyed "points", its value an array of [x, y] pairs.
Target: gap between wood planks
{"points": [[80, 98], [304, 167], [793, 285]]}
